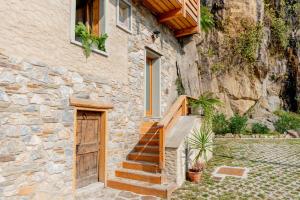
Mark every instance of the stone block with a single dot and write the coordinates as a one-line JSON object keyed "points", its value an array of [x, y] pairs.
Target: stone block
{"points": [[20, 99], [7, 77], [36, 99], [76, 78], [26, 190], [53, 168]]}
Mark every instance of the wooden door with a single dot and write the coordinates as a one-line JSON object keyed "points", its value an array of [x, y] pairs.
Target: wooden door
{"points": [[88, 148]]}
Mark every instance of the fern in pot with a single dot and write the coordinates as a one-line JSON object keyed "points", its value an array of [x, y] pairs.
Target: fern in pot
{"points": [[201, 144]]}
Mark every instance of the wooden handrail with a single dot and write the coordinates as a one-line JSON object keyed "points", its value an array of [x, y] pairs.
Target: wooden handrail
{"points": [[179, 108]]}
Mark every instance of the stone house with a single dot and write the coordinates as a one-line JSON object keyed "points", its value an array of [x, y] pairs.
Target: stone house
{"points": [[68, 121]]}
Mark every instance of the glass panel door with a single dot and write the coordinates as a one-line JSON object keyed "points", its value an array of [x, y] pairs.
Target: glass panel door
{"points": [[149, 89]]}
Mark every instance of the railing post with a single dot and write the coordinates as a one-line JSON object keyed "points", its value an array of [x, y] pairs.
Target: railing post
{"points": [[162, 147], [185, 106]]}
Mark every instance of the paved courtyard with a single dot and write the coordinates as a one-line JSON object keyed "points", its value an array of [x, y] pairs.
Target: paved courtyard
{"points": [[274, 172]]}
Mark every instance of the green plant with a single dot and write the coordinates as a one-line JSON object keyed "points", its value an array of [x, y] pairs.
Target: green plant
{"points": [[207, 102], [260, 128], [211, 52], [220, 124], [89, 40], [238, 124], [207, 19], [275, 19], [287, 121], [179, 86], [279, 30], [201, 142], [248, 41], [217, 67]]}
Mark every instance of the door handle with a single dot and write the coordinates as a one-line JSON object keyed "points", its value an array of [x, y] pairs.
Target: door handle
{"points": [[77, 147]]}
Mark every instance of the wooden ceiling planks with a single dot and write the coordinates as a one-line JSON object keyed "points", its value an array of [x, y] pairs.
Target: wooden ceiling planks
{"points": [[182, 16]]}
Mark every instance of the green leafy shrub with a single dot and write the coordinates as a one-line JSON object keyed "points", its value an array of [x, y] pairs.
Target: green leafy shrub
{"points": [[217, 67], [238, 124], [207, 19], [89, 40], [179, 86], [220, 124], [279, 28], [248, 41], [287, 121], [260, 128]]}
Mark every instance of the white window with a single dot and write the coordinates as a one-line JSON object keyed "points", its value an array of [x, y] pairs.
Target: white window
{"points": [[91, 14], [124, 12]]}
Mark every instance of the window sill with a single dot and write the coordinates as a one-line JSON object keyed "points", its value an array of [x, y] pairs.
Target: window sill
{"points": [[103, 53], [124, 29]]}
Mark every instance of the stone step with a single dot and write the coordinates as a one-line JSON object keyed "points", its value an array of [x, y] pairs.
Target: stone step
{"points": [[146, 149], [151, 142], [139, 187], [149, 128], [155, 178], [148, 157], [141, 166]]}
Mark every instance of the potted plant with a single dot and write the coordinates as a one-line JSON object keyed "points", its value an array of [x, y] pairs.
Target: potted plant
{"points": [[88, 40], [195, 173], [200, 143]]}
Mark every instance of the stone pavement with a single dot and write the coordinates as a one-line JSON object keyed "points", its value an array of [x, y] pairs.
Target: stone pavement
{"points": [[96, 193], [274, 171]]}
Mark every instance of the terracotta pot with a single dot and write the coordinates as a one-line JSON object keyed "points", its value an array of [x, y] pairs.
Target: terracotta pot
{"points": [[194, 177]]}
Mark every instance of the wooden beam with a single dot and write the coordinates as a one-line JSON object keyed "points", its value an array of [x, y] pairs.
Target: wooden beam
{"points": [[184, 8], [88, 104], [170, 15], [188, 31]]}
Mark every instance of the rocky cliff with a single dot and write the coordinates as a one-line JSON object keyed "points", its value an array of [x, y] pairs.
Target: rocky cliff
{"points": [[250, 59]]}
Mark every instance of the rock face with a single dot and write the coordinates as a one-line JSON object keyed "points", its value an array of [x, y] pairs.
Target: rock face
{"points": [[256, 90]]}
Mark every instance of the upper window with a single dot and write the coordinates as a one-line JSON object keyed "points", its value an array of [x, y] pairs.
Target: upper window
{"points": [[124, 14], [88, 12], [88, 24]]}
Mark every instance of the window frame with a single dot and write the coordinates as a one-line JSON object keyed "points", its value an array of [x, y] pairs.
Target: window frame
{"points": [[103, 30], [119, 24]]}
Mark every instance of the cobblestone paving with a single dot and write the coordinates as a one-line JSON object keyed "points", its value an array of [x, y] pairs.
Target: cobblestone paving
{"points": [[274, 172]]}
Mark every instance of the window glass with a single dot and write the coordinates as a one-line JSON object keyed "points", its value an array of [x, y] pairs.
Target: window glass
{"points": [[124, 14]]}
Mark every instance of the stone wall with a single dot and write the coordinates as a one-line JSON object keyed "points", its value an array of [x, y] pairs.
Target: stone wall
{"points": [[176, 164], [40, 70]]}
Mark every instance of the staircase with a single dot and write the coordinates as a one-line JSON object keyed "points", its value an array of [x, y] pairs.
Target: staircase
{"points": [[141, 173]]}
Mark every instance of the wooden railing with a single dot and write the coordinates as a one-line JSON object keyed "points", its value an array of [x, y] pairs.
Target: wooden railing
{"points": [[179, 108]]}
